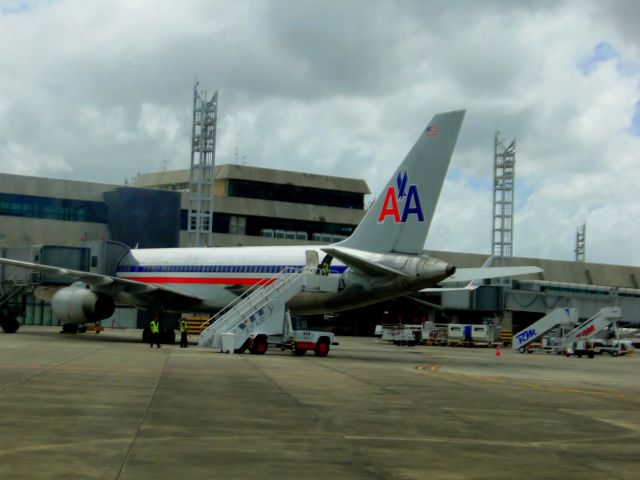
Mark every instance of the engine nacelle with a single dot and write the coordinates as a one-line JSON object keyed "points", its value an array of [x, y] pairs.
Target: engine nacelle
{"points": [[80, 305]]}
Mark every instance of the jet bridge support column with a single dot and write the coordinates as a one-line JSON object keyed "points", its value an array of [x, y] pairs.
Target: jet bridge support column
{"points": [[506, 327]]}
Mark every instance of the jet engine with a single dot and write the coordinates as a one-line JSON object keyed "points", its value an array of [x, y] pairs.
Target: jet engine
{"points": [[80, 305]]}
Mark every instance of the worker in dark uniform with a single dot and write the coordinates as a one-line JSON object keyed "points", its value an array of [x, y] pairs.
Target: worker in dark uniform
{"points": [[183, 333], [154, 326]]}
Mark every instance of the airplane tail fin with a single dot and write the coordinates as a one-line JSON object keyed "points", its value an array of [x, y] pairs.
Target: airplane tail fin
{"points": [[399, 219]]}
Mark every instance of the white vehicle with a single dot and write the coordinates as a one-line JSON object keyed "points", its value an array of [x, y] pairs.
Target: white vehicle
{"points": [[581, 347], [613, 347], [300, 339], [382, 259]]}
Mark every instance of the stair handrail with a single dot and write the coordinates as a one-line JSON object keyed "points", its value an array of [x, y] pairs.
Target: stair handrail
{"points": [[571, 335], [9, 292], [252, 301], [257, 292], [234, 302]]}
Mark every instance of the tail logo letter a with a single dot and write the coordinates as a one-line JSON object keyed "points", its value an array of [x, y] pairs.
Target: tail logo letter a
{"points": [[411, 199], [390, 206], [412, 205]]}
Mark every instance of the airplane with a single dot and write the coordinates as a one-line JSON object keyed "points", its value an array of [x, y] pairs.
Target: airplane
{"points": [[384, 257]]}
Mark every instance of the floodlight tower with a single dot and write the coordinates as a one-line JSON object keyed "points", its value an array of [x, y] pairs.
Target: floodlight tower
{"points": [[201, 179], [503, 195], [581, 236]]}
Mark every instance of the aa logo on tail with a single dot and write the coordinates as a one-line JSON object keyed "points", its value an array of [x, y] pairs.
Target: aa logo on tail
{"points": [[401, 197]]}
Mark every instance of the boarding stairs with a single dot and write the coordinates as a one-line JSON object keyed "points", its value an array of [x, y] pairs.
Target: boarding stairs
{"points": [[262, 309], [10, 290], [560, 317], [594, 325]]}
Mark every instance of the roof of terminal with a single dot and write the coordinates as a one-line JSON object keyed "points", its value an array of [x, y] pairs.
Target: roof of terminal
{"points": [[259, 174]]}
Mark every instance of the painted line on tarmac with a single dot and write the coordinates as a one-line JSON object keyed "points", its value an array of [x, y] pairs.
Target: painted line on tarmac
{"points": [[436, 370]]}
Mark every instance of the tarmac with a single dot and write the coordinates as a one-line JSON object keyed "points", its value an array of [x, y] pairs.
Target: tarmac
{"points": [[106, 406]]}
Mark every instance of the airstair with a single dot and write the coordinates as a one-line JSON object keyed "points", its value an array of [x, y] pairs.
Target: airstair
{"points": [[261, 310], [560, 317], [10, 305], [10, 290], [594, 325]]}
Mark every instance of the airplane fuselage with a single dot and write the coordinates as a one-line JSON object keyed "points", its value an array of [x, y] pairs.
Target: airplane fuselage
{"points": [[219, 275]]}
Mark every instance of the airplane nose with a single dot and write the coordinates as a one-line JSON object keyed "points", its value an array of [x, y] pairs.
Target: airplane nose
{"points": [[450, 270]]}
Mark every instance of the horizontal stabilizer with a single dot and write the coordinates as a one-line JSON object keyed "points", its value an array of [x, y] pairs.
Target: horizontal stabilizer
{"points": [[484, 273], [350, 257]]}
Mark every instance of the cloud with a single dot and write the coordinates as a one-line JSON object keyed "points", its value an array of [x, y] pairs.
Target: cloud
{"points": [[21, 160], [102, 90]]}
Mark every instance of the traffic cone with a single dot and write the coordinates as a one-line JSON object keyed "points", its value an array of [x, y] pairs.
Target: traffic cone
{"points": [[498, 352]]}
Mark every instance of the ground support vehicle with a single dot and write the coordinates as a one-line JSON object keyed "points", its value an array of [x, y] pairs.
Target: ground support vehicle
{"points": [[12, 305], [557, 320], [580, 348], [260, 317], [401, 335], [581, 340], [299, 339], [613, 347]]}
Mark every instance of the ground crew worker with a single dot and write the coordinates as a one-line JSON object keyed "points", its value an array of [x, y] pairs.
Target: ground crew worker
{"points": [[324, 269], [154, 326], [183, 333]]}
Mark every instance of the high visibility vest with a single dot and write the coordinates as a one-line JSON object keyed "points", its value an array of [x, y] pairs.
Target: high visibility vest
{"points": [[155, 328], [183, 326]]}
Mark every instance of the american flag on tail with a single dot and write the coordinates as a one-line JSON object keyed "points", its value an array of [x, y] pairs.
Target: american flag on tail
{"points": [[431, 131]]}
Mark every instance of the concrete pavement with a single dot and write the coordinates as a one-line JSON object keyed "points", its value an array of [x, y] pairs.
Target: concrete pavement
{"points": [[108, 407]]}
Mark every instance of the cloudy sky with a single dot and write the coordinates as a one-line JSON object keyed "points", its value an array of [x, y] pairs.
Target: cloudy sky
{"points": [[102, 90]]}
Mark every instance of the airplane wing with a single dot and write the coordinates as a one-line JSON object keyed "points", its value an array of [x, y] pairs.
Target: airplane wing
{"points": [[107, 283], [475, 275]]}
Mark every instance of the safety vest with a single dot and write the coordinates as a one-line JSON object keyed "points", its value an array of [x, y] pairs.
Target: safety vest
{"points": [[155, 328], [183, 326]]}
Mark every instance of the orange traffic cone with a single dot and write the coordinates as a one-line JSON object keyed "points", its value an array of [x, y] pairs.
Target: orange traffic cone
{"points": [[498, 352]]}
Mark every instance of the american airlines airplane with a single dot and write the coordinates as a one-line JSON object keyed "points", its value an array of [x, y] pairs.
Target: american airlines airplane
{"points": [[382, 259]]}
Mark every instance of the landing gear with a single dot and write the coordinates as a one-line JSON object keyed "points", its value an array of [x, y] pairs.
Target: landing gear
{"points": [[71, 328], [10, 324]]}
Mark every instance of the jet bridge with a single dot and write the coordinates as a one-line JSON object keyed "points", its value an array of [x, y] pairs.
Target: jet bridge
{"points": [[557, 319]]}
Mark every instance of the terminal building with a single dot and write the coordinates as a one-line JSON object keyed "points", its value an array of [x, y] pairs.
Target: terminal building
{"points": [[87, 226], [253, 206]]}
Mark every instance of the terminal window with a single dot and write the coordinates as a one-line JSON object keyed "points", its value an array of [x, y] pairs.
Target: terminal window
{"points": [[295, 194], [52, 208]]}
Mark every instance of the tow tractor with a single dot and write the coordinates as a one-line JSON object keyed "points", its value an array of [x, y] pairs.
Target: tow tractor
{"points": [[300, 339], [612, 346]]}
